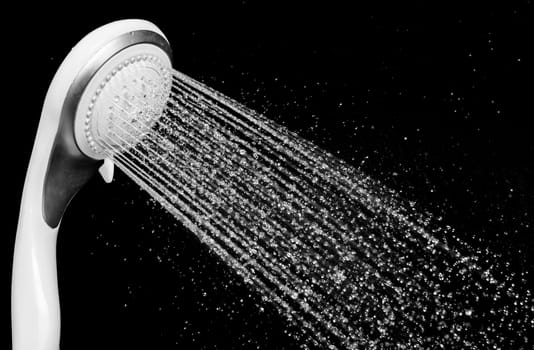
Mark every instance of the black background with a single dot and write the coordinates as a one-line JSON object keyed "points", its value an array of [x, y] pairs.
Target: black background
{"points": [[435, 101]]}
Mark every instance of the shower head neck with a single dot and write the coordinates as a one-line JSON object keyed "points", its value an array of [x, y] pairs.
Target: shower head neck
{"points": [[67, 152]]}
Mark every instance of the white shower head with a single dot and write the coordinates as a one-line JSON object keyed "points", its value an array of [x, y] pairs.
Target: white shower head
{"points": [[120, 65], [131, 87]]}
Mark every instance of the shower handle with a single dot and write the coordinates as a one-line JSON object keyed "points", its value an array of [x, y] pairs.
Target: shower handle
{"points": [[35, 304]]}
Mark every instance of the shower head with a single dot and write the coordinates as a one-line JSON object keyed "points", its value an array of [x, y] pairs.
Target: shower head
{"points": [[130, 88], [115, 77]]}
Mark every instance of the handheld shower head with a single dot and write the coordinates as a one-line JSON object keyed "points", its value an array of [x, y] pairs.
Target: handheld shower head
{"points": [[92, 96]]}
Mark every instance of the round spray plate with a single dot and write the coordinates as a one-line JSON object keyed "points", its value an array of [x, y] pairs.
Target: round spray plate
{"points": [[122, 101]]}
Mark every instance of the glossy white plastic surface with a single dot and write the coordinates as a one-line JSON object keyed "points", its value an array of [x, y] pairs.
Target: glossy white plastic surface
{"points": [[106, 170], [35, 301]]}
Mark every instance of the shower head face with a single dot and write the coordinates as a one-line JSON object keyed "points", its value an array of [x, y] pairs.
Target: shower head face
{"points": [[123, 100]]}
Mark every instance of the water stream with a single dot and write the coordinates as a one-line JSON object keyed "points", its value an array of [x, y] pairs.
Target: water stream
{"points": [[346, 260]]}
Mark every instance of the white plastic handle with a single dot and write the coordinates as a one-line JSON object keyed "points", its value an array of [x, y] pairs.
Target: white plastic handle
{"points": [[34, 293], [35, 302]]}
